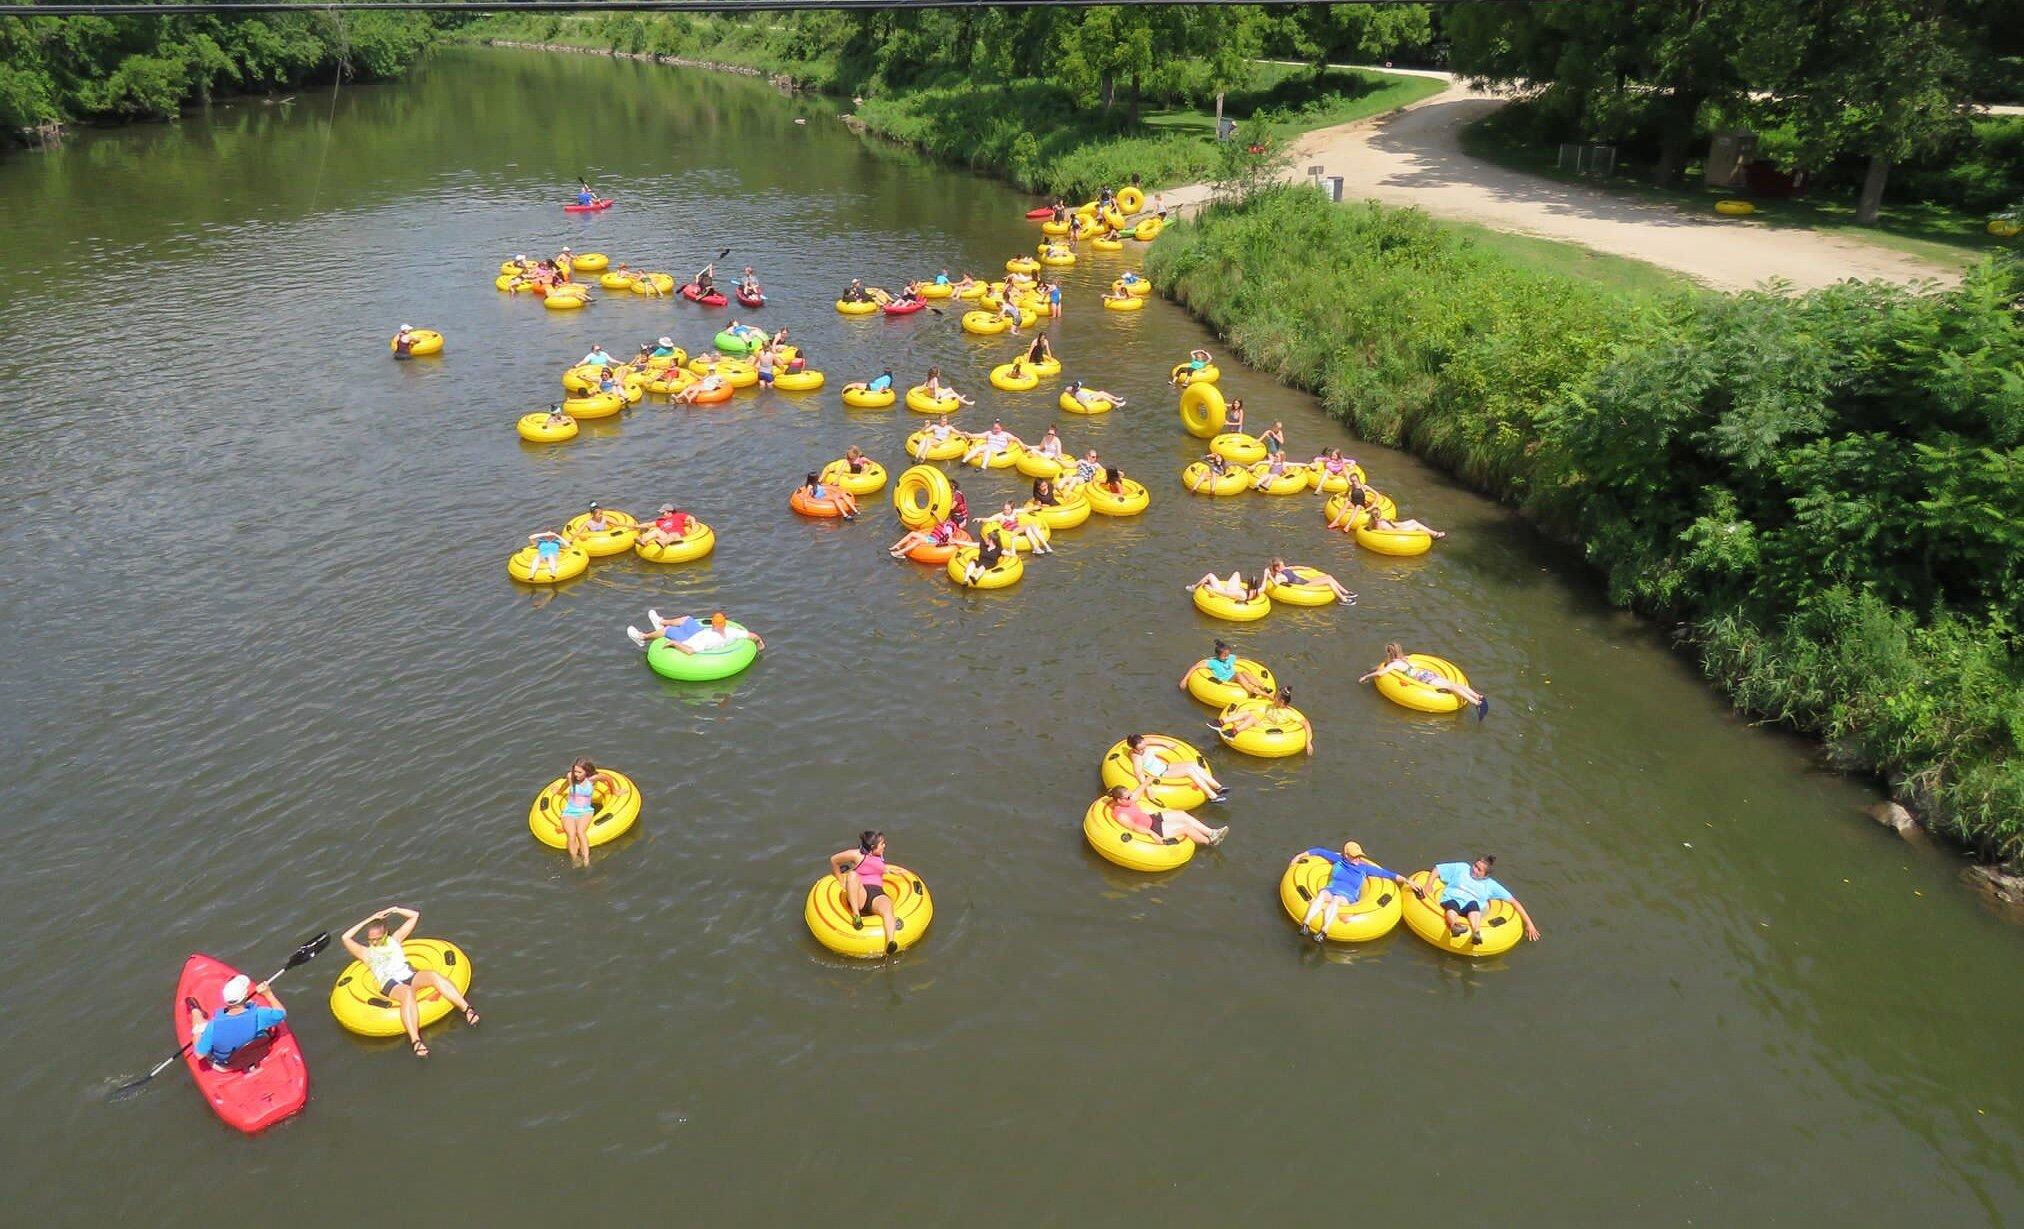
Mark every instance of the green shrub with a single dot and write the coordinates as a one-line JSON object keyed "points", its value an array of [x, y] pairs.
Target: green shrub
{"points": [[1828, 489]]}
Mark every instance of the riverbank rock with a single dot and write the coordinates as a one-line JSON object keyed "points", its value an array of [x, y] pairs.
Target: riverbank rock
{"points": [[1894, 817], [2004, 883]]}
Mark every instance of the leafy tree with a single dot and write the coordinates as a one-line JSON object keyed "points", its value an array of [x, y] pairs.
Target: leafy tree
{"points": [[1609, 68], [1332, 33], [1879, 79]]}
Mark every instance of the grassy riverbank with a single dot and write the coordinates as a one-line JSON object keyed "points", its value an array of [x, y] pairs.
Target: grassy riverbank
{"points": [[1939, 212], [1036, 131], [1826, 492]]}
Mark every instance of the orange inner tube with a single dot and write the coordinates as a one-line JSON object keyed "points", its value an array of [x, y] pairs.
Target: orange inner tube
{"points": [[713, 396], [807, 505], [941, 554]]}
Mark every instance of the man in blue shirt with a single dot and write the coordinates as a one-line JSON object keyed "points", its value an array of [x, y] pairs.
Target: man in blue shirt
{"points": [[1345, 885], [1221, 665], [238, 1025], [1467, 890]]}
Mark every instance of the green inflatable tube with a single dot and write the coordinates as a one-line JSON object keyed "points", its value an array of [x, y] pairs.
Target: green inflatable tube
{"points": [[702, 667], [728, 342]]}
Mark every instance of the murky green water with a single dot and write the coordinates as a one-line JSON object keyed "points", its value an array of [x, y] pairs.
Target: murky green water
{"points": [[265, 673]]}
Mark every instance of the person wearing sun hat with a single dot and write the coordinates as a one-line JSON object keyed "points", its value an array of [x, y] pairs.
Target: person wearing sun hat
{"points": [[238, 1023], [664, 347], [1348, 871]]}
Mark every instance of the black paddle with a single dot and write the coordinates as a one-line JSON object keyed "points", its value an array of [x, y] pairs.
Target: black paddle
{"points": [[303, 955]]}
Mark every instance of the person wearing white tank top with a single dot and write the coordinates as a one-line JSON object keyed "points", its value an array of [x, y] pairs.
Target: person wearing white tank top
{"points": [[383, 954]]}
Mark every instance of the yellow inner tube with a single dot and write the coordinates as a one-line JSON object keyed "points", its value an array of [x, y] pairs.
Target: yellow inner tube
{"points": [[870, 479], [421, 342], [615, 281], [827, 912], [863, 307], [936, 290], [1240, 447], [613, 817], [535, 429], [1735, 209], [1185, 374], [1370, 916], [1073, 510], [1319, 479], [1502, 928], [1127, 846], [1052, 227], [1411, 693], [858, 397], [1010, 567], [358, 1004], [1107, 245], [1003, 379], [1202, 409], [1022, 264], [616, 539], [1039, 465], [1123, 305], [1133, 501], [671, 380], [1171, 791], [1005, 458], [1291, 481], [941, 450], [1203, 686], [1280, 737], [804, 381], [1071, 404], [589, 262], [1386, 507], [1017, 541], [1130, 199], [984, 324], [1196, 478], [1399, 542], [661, 282], [572, 563], [1300, 595], [920, 403], [1218, 606], [922, 496], [698, 540], [564, 302]]}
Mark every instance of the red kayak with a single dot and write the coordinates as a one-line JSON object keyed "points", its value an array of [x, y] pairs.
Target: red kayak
{"points": [[904, 309], [749, 300], [275, 1087], [694, 294], [1045, 211], [593, 207]]}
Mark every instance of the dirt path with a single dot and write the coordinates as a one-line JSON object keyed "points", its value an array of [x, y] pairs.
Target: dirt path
{"points": [[1413, 157]]}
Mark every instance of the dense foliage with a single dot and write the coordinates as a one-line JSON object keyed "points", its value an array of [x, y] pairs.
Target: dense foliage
{"points": [[1850, 87], [54, 69], [1057, 100], [1828, 489]]}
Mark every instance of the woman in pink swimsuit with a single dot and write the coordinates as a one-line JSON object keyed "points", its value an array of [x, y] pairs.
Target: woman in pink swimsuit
{"points": [[862, 871]]}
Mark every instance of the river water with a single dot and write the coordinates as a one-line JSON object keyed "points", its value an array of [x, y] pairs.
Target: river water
{"points": [[265, 673]]}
